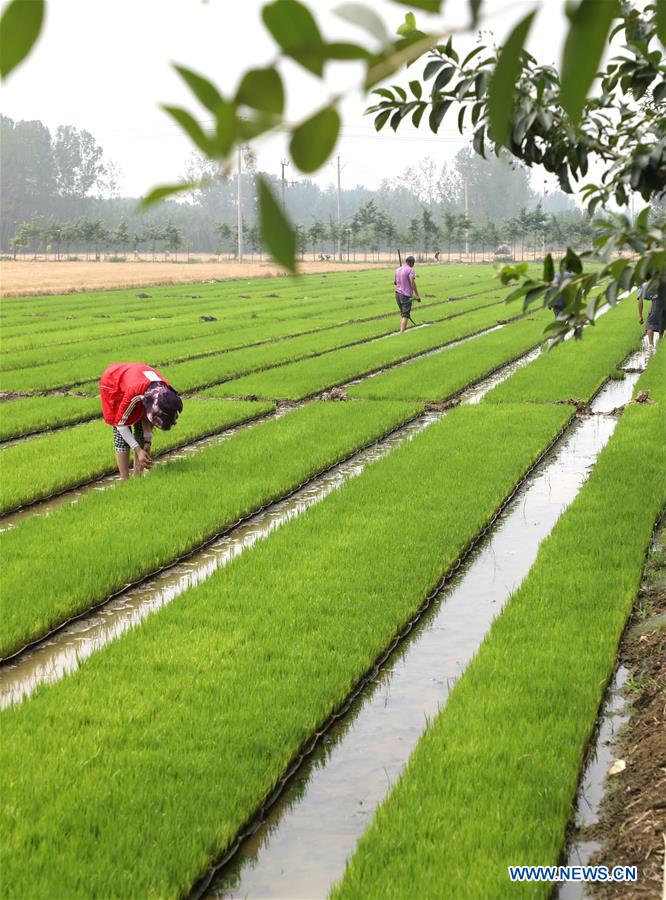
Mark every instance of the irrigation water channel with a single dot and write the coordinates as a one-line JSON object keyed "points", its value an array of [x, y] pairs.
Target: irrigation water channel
{"points": [[301, 848], [55, 656], [591, 791]]}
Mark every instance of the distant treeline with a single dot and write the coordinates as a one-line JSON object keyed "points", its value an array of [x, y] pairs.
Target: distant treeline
{"points": [[59, 194], [369, 231]]}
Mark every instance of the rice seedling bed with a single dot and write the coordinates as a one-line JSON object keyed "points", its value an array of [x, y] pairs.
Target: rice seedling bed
{"points": [[93, 314], [493, 780], [575, 369], [59, 461], [212, 361], [236, 681], [29, 415], [440, 376], [185, 339], [144, 524], [305, 378], [654, 378]]}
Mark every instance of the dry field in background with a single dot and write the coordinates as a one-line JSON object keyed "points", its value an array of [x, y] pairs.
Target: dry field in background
{"points": [[21, 278]]}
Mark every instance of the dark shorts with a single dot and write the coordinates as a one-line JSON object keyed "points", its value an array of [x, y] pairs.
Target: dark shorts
{"points": [[404, 304], [121, 444], [655, 321]]}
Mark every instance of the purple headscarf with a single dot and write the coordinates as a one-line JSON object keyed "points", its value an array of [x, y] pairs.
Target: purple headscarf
{"points": [[162, 405]]}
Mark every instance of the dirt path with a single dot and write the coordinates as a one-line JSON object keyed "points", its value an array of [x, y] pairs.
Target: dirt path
{"points": [[23, 277], [631, 826]]}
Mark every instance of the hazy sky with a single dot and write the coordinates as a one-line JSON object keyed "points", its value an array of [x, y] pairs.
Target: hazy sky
{"points": [[105, 66]]}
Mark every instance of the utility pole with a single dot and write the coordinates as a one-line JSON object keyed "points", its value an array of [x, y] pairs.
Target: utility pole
{"points": [[466, 228], [239, 199], [339, 218], [283, 163]]}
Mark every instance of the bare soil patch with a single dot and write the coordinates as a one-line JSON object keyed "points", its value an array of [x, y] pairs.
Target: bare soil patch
{"points": [[20, 278], [633, 814]]}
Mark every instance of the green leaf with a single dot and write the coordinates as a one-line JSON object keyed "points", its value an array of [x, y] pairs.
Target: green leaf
{"points": [[437, 113], [443, 79], [294, 29], [416, 89], [262, 89], [365, 17], [20, 26], [380, 120], [407, 26], [548, 268], [190, 125], [226, 128], [202, 89], [475, 10], [166, 190], [313, 141], [571, 262], [478, 141], [660, 18], [418, 114], [432, 68], [470, 56], [251, 127], [427, 5], [345, 50], [583, 48], [276, 230], [503, 80]]}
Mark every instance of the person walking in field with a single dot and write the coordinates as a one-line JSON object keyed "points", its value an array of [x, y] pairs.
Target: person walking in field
{"points": [[656, 320], [560, 279], [405, 289], [134, 394]]}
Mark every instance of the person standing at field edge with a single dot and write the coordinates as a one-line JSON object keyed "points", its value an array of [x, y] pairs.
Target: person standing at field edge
{"points": [[133, 394], [656, 320], [405, 289]]}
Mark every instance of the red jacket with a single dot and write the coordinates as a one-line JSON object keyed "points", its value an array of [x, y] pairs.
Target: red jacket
{"points": [[122, 387]]}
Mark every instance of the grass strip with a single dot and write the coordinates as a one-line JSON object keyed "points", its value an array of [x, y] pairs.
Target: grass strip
{"points": [[236, 680], [443, 374], [653, 380], [575, 369], [143, 524], [302, 379], [494, 777], [64, 459], [28, 415]]}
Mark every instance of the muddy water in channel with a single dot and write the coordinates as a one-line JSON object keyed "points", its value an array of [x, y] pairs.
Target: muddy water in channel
{"points": [[302, 848], [591, 792]]}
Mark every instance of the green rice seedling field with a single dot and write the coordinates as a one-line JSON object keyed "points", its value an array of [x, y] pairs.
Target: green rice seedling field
{"points": [[575, 370], [130, 776], [196, 498], [53, 462], [29, 415]]}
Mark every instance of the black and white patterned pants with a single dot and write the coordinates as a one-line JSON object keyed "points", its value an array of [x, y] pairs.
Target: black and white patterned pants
{"points": [[121, 444]]}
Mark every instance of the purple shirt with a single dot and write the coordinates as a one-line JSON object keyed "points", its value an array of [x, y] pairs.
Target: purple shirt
{"points": [[403, 280]]}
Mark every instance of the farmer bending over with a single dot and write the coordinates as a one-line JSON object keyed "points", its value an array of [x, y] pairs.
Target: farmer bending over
{"points": [[405, 288], [134, 394]]}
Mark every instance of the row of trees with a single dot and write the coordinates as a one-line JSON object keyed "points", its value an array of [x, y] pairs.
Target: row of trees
{"points": [[369, 231], [64, 178]]}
